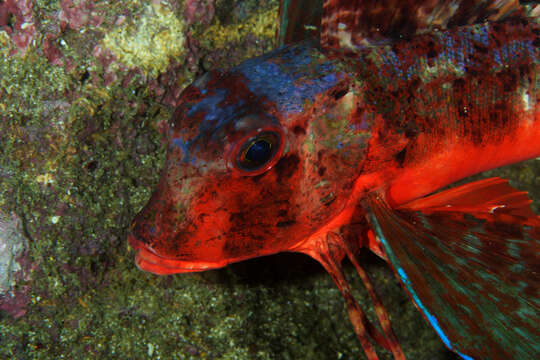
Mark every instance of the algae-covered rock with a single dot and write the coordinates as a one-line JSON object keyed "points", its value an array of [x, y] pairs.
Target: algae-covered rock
{"points": [[85, 90], [12, 245], [155, 38]]}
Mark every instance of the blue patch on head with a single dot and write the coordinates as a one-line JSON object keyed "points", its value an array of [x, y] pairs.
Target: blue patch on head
{"points": [[289, 77], [209, 103], [215, 116]]}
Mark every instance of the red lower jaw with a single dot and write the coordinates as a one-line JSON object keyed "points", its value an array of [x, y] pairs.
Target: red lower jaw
{"points": [[147, 260]]}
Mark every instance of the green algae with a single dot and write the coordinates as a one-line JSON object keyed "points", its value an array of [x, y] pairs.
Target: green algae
{"points": [[261, 23], [149, 44], [239, 30]]}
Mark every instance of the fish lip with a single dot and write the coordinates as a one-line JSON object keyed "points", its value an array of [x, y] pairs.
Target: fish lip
{"points": [[147, 260]]}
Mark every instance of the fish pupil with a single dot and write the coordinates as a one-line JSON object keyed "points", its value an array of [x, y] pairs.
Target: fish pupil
{"points": [[259, 152]]}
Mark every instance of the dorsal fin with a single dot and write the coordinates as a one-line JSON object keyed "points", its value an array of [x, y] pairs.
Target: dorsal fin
{"points": [[298, 20], [356, 24]]}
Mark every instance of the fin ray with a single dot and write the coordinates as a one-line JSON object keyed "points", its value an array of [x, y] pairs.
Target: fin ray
{"points": [[473, 275], [357, 24]]}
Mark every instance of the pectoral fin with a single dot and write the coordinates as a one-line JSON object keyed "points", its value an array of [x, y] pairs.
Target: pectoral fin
{"points": [[469, 259]]}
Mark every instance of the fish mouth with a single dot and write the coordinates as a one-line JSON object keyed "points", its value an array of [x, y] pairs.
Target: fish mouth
{"points": [[147, 260]]}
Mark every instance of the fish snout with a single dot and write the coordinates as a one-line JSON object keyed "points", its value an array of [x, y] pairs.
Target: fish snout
{"points": [[167, 241], [156, 229]]}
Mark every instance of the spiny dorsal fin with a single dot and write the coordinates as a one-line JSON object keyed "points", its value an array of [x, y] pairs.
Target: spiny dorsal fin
{"points": [[357, 24]]}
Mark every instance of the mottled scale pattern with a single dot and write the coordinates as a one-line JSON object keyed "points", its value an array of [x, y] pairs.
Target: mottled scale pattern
{"points": [[454, 91]]}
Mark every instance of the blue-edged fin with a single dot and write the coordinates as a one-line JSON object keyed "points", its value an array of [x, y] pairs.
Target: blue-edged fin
{"points": [[469, 257]]}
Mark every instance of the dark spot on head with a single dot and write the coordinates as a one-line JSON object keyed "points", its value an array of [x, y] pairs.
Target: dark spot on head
{"points": [[285, 223], [299, 130], [287, 166], [321, 171], [233, 248], [238, 217], [282, 213], [400, 157]]}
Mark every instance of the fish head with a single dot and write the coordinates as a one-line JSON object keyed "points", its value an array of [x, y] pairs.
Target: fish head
{"points": [[259, 158]]}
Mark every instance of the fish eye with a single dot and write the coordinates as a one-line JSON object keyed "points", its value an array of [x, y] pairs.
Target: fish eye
{"points": [[259, 152]]}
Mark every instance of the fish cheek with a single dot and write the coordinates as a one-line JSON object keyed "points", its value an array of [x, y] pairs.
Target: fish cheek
{"points": [[262, 213]]}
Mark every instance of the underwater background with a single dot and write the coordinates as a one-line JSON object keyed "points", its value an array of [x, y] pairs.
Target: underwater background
{"points": [[86, 88]]}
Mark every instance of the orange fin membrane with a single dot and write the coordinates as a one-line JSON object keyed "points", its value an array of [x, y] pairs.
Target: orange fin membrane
{"points": [[487, 197], [330, 253], [469, 259]]}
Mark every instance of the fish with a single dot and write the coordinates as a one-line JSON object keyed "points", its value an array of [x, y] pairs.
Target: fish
{"points": [[352, 134]]}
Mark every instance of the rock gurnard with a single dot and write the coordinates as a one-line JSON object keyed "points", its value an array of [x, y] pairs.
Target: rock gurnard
{"points": [[325, 146]]}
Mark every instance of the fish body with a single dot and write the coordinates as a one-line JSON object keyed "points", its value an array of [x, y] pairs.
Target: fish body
{"points": [[323, 148]]}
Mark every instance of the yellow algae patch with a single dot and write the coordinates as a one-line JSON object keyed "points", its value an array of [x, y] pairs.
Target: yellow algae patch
{"points": [[5, 43], [150, 42], [262, 24], [45, 179]]}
